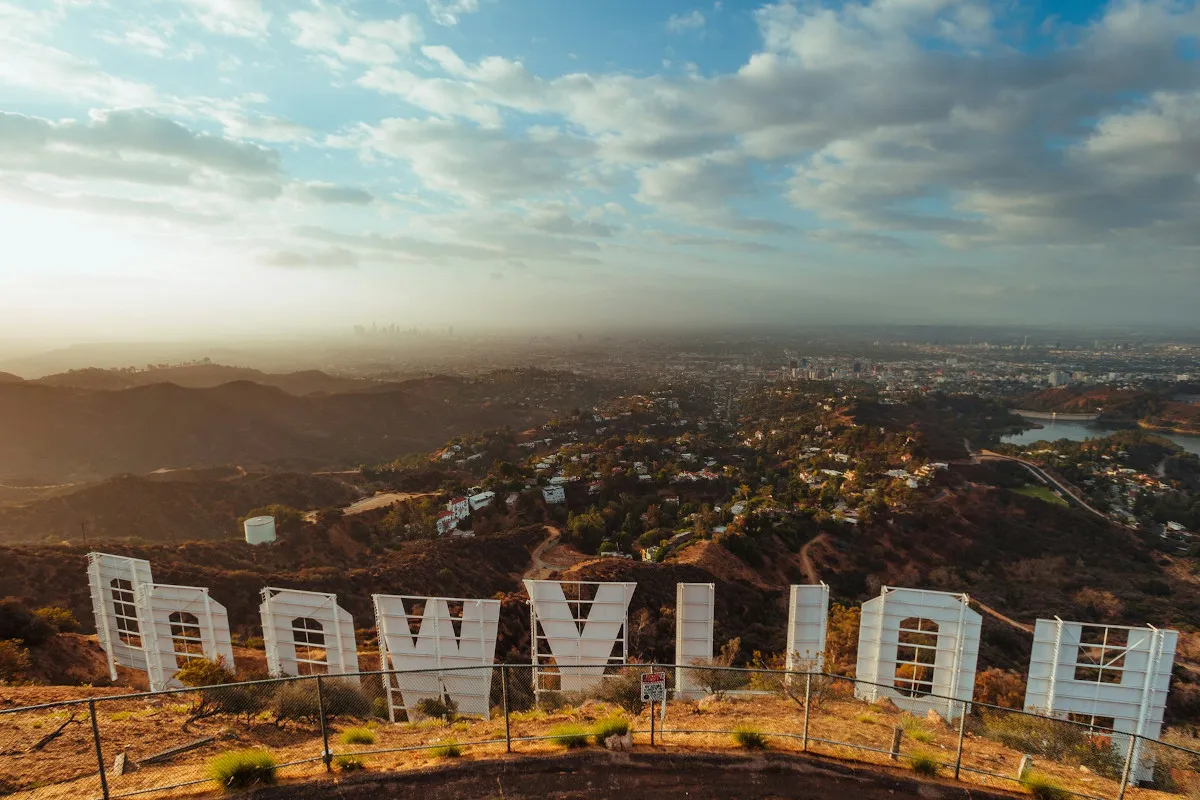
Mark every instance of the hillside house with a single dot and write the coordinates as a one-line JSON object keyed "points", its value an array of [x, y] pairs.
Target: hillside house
{"points": [[460, 507], [554, 495], [482, 500]]}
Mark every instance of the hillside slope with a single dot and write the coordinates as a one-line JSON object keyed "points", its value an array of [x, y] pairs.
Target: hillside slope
{"points": [[153, 508], [337, 560], [61, 434], [202, 376]]}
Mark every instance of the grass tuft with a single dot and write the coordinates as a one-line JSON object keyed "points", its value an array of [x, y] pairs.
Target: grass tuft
{"points": [[358, 736], [615, 725], [749, 738], [349, 763], [866, 719], [924, 763], [1043, 787], [447, 748], [242, 769], [569, 736]]}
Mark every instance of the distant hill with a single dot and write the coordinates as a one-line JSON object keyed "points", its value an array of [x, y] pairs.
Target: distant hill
{"points": [[58, 434], [202, 376], [335, 560], [154, 508], [8, 377]]}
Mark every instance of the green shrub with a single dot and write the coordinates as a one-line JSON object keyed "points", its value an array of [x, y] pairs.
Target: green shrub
{"points": [[921, 735], [379, 708], [349, 763], [443, 709], [749, 738], [924, 763], [58, 618], [1057, 740], [622, 689], [242, 769], [569, 735], [1043, 787], [358, 736], [447, 748], [612, 726], [296, 701], [218, 692]]}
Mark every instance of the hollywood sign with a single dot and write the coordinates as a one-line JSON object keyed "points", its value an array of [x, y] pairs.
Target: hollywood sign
{"points": [[917, 648]]}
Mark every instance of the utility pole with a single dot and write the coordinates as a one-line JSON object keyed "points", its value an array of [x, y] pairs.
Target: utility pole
{"points": [[83, 530]]}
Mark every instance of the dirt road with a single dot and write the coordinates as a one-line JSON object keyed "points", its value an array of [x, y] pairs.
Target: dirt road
{"points": [[806, 562]]}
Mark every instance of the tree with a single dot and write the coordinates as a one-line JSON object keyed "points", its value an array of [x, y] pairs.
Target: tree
{"points": [[714, 675], [586, 530]]}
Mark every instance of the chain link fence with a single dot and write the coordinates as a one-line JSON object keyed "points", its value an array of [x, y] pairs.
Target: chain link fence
{"points": [[244, 734]]}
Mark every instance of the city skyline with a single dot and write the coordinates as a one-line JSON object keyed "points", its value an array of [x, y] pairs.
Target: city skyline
{"points": [[206, 166]]}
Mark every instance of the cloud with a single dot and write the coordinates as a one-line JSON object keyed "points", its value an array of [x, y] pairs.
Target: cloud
{"points": [[684, 23], [327, 258], [231, 17], [137, 147], [332, 31], [447, 12], [332, 194], [105, 205], [478, 164]]}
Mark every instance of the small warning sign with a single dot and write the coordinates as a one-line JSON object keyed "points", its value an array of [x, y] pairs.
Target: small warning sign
{"points": [[654, 687]]}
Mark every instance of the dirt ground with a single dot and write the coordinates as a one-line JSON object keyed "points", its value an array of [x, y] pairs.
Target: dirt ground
{"points": [[842, 728], [631, 776]]}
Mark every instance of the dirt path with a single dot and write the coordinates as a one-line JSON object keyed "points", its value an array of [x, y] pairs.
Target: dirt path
{"points": [[542, 562], [806, 562], [1021, 626], [381, 500]]}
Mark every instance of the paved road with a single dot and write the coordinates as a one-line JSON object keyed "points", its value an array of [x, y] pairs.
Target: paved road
{"points": [[1067, 491]]}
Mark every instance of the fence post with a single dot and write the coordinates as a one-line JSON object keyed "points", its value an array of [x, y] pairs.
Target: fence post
{"points": [[807, 699], [326, 756], [99, 749], [1128, 768], [962, 731], [504, 700]]}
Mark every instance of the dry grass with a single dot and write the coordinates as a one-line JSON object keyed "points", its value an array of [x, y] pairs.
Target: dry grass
{"points": [[64, 770]]}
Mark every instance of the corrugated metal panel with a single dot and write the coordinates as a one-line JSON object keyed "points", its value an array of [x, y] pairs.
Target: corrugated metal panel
{"points": [[694, 612], [435, 646]]}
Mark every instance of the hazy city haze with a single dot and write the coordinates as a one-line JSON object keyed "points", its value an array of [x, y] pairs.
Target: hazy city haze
{"points": [[208, 166]]}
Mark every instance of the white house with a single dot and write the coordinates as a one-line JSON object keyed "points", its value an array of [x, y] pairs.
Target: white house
{"points": [[555, 495], [460, 507], [482, 500], [445, 523]]}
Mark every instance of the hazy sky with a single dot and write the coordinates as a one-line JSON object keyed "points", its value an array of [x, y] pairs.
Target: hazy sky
{"points": [[206, 165]]}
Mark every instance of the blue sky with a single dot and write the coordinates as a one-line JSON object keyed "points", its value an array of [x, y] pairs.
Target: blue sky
{"points": [[247, 165]]}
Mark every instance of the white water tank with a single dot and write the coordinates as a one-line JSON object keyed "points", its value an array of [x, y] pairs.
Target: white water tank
{"points": [[260, 530]]}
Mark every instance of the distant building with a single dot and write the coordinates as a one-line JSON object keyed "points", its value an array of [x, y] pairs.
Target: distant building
{"points": [[511, 501], [554, 495], [460, 507], [446, 523], [482, 500]]}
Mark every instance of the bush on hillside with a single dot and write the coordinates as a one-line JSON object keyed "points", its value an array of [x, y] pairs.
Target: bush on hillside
{"points": [[714, 675], [297, 701], [1054, 739], [444, 709], [219, 693], [14, 662], [62, 620], [20, 624]]}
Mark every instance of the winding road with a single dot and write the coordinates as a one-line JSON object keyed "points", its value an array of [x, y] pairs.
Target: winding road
{"points": [[1067, 491]]}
